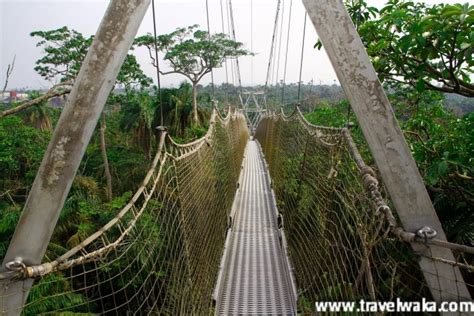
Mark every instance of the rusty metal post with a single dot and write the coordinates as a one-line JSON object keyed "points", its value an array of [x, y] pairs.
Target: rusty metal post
{"points": [[386, 141], [68, 144]]}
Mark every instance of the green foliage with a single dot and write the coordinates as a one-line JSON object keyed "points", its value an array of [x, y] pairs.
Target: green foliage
{"points": [[192, 52], [442, 145], [181, 116], [9, 216], [131, 75], [38, 115], [138, 109], [327, 115], [64, 52], [52, 293], [427, 47], [21, 149]]}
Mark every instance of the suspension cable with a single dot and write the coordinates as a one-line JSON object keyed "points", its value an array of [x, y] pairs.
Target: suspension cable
{"points": [[270, 60], [286, 55], [279, 45], [230, 36], [302, 56], [251, 42], [209, 50], [223, 31], [234, 38], [157, 64]]}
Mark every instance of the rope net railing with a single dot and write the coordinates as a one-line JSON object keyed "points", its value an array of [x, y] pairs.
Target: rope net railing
{"points": [[344, 244], [160, 254]]}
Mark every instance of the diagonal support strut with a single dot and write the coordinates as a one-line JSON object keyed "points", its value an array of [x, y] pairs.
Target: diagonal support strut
{"points": [[68, 144], [386, 141]]}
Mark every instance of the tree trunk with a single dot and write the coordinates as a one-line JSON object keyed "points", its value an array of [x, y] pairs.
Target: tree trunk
{"points": [[195, 109], [103, 149]]}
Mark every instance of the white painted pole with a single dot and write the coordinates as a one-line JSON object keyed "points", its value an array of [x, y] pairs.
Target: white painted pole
{"points": [[386, 141], [68, 144]]}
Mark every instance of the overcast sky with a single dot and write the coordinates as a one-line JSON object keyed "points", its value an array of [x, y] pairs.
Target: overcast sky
{"points": [[20, 17]]}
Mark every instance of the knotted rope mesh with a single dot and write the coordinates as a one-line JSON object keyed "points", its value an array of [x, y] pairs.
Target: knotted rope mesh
{"points": [[340, 245], [160, 254]]}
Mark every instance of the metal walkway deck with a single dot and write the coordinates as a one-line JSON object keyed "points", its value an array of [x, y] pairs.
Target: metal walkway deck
{"points": [[255, 277]]}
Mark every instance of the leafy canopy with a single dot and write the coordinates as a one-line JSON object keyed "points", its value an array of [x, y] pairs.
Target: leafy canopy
{"points": [[427, 47], [64, 52], [192, 52]]}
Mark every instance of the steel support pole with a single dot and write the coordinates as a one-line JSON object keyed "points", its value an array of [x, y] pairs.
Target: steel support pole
{"points": [[386, 141], [68, 144]]}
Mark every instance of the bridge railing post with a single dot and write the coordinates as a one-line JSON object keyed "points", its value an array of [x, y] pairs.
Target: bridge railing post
{"points": [[386, 141], [68, 144]]}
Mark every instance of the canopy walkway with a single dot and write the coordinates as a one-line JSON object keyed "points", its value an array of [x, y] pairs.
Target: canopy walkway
{"points": [[255, 277], [267, 221], [332, 236]]}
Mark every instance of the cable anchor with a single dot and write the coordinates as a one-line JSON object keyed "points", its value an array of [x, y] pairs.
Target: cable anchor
{"points": [[426, 233], [17, 265]]}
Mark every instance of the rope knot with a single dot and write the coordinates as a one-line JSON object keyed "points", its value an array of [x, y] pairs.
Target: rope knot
{"points": [[382, 210], [368, 178], [367, 170]]}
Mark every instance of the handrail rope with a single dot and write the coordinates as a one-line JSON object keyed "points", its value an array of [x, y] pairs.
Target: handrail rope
{"points": [[17, 269], [215, 114], [371, 184], [47, 267], [425, 235]]}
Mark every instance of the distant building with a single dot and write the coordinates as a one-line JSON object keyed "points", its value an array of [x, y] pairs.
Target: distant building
{"points": [[4, 96], [56, 102], [12, 96]]}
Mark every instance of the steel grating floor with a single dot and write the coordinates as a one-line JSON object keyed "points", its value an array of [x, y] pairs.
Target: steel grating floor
{"points": [[255, 277]]}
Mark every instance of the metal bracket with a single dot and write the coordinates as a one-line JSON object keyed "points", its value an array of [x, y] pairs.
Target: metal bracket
{"points": [[426, 233], [16, 269]]}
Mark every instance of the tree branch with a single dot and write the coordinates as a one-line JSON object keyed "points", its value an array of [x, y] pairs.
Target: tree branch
{"points": [[53, 92], [9, 72]]}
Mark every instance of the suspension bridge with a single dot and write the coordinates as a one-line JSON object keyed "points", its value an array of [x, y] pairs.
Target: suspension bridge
{"points": [[264, 215]]}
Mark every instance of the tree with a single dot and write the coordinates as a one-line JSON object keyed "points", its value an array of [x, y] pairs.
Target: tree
{"points": [[138, 112], [426, 47], [180, 116], [9, 72], [103, 149], [131, 74], [65, 50], [192, 53], [38, 115], [58, 90]]}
